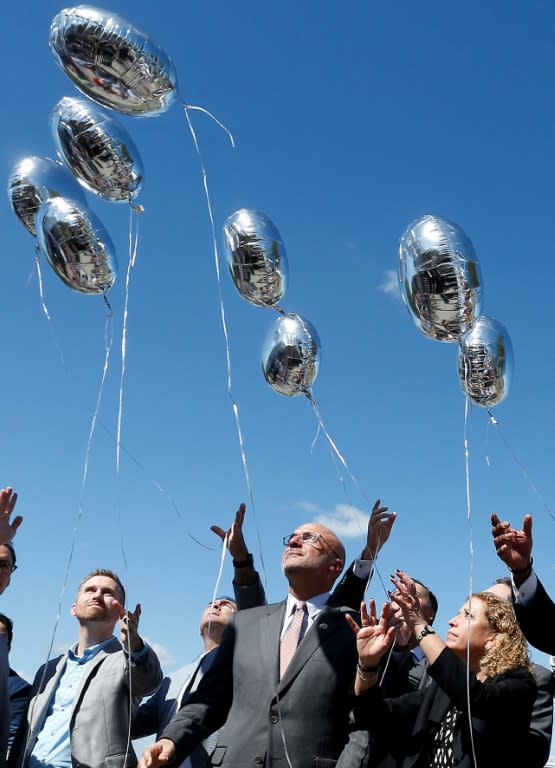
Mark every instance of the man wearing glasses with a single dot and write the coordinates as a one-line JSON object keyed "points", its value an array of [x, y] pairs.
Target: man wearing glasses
{"points": [[282, 676], [8, 528]]}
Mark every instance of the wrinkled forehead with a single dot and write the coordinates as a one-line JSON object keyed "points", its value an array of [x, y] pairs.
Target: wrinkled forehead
{"points": [[101, 582], [226, 602]]}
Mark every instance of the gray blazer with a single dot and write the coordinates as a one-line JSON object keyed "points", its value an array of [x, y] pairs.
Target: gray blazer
{"points": [[308, 709], [99, 722]]}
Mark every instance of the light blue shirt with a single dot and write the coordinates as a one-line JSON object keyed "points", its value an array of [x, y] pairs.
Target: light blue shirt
{"points": [[53, 749]]}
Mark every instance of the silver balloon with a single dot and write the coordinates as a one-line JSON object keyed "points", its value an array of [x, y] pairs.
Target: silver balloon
{"points": [[33, 181], [291, 355], [97, 148], [439, 276], [77, 246], [256, 257], [113, 62], [485, 362]]}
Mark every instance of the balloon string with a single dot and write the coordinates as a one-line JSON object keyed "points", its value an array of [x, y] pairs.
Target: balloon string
{"points": [[218, 579], [215, 119], [235, 407], [79, 517], [519, 464], [332, 444], [39, 276], [471, 567], [133, 244], [336, 455]]}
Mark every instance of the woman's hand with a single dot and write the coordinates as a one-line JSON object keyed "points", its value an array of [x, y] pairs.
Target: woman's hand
{"points": [[374, 638], [406, 597]]}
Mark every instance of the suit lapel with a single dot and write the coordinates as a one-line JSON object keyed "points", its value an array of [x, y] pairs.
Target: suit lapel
{"points": [[269, 630], [322, 629]]}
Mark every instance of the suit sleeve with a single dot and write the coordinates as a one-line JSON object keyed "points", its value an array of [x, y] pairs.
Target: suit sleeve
{"points": [[4, 700], [536, 619], [207, 708], [147, 718], [20, 691], [249, 595], [541, 724], [350, 590], [146, 673]]}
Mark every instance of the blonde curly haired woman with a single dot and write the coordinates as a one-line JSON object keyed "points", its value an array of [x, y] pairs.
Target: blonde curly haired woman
{"points": [[477, 710]]}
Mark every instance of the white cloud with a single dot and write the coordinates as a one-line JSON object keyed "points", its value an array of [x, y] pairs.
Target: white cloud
{"points": [[308, 506], [390, 284], [347, 521]]}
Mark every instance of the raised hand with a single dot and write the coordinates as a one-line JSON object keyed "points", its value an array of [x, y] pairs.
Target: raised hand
{"points": [[512, 546], [379, 528], [374, 637], [8, 527], [129, 625], [233, 537]]}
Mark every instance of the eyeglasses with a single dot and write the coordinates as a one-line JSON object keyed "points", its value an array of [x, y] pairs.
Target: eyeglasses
{"points": [[5, 565], [310, 537]]}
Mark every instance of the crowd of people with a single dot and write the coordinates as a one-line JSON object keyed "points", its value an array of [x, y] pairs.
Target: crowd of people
{"points": [[319, 679]]}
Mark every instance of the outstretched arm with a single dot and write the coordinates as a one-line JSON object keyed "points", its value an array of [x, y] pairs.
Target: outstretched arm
{"points": [[248, 588], [514, 547], [8, 527]]}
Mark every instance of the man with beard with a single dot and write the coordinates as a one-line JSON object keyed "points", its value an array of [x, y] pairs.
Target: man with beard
{"points": [[282, 676], [80, 704]]}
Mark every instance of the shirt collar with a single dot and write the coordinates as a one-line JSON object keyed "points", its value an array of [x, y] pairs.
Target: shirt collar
{"points": [[314, 605], [88, 653]]}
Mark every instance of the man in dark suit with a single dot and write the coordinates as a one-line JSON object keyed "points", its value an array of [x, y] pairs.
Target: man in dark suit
{"points": [[534, 609], [278, 709], [155, 713], [8, 528], [541, 722], [18, 688]]}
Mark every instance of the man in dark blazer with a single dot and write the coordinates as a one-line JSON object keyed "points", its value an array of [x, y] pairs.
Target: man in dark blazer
{"points": [[155, 713], [8, 528], [534, 608], [276, 716]]}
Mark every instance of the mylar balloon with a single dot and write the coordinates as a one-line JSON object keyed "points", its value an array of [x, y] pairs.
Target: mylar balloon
{"points": [[112, 61], [256, 257], [77, 246], [485, 362], [439, 278], [33, 181], [97, 148], [291, 355]]}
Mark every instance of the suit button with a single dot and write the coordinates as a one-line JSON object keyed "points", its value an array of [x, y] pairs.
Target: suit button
{"points": [[274, 719], [259, 760]]}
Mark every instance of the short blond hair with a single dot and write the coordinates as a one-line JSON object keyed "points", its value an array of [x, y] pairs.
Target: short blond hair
{"points": [[110, 575]]}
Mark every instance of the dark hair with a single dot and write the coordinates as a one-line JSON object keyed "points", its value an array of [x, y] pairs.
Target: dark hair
{"points": [[110, 575], [432, 599], [506, 581], [8, 623]]}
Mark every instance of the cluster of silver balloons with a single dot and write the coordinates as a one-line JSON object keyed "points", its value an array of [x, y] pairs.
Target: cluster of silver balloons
{"points": [[441, 285], [120, 67], [257, 263]]}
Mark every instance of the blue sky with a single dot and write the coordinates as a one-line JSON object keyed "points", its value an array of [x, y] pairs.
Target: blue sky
{"points": [[350, 121]]}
